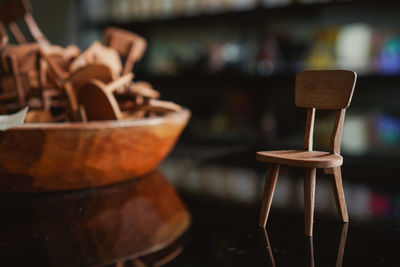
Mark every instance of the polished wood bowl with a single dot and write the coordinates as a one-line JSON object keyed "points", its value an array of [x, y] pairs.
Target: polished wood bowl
{"points": [[65, 156]]}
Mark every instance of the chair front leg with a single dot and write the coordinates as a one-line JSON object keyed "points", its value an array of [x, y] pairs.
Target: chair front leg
{"points": [[309, 200], [339, 195], [269, 188]]}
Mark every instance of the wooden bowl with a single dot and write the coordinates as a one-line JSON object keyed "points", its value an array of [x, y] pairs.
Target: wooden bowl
{"points": [[64, 156]]}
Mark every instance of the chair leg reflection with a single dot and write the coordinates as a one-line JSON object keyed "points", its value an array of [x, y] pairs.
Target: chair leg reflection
{"points": [[310, 258], [270, 254], [310, 245], [342, 244]]}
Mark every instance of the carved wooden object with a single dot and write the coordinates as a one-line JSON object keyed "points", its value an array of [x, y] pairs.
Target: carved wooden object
{"points": [[328, 90], [48, 157], [129, 45], [13, 11], [97, 53]]}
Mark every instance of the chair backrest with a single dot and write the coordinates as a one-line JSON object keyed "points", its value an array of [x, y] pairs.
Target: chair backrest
{"points": [[13, 11], [328, 90], [129, 45]]}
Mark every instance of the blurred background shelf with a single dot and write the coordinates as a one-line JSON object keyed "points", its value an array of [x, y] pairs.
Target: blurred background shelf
{"points": [[170, 13]]}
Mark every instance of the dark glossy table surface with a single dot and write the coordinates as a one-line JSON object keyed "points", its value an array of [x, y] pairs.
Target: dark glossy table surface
{"points": [[144, 222]]}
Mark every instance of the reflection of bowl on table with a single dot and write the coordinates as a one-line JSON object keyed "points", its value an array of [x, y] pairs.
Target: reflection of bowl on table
{"points": [[91, 227], [65, 156]]}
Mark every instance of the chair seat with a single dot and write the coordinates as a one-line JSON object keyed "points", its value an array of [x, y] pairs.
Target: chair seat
{"points": [[300, 158]]}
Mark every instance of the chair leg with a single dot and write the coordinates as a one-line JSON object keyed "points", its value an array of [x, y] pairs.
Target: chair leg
{"points": [[339, 195], [309, 199], [269, 188]]}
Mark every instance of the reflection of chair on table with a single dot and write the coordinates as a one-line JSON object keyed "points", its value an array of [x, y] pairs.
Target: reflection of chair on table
{"points": [[340, 253], [326, 90]]}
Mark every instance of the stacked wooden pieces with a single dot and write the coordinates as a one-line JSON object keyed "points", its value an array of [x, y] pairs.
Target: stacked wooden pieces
{"points": [[65, 84]]}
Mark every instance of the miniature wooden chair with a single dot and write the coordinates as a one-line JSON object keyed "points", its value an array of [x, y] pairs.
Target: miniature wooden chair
{"points": [[326, 90], [129, 45], [99, 102], [13, 11], [98, 54], [70, 82], [24, 80], [21, 73]]}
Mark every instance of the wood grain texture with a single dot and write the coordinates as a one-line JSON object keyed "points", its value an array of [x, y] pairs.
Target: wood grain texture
{"points": [[299, 158], [92, 227], [64, 156], [330, 89], [269, 189], [309, 200]]}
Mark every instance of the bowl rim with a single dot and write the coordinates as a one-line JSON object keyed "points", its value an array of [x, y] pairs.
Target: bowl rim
{"points": [[173, 117]]}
